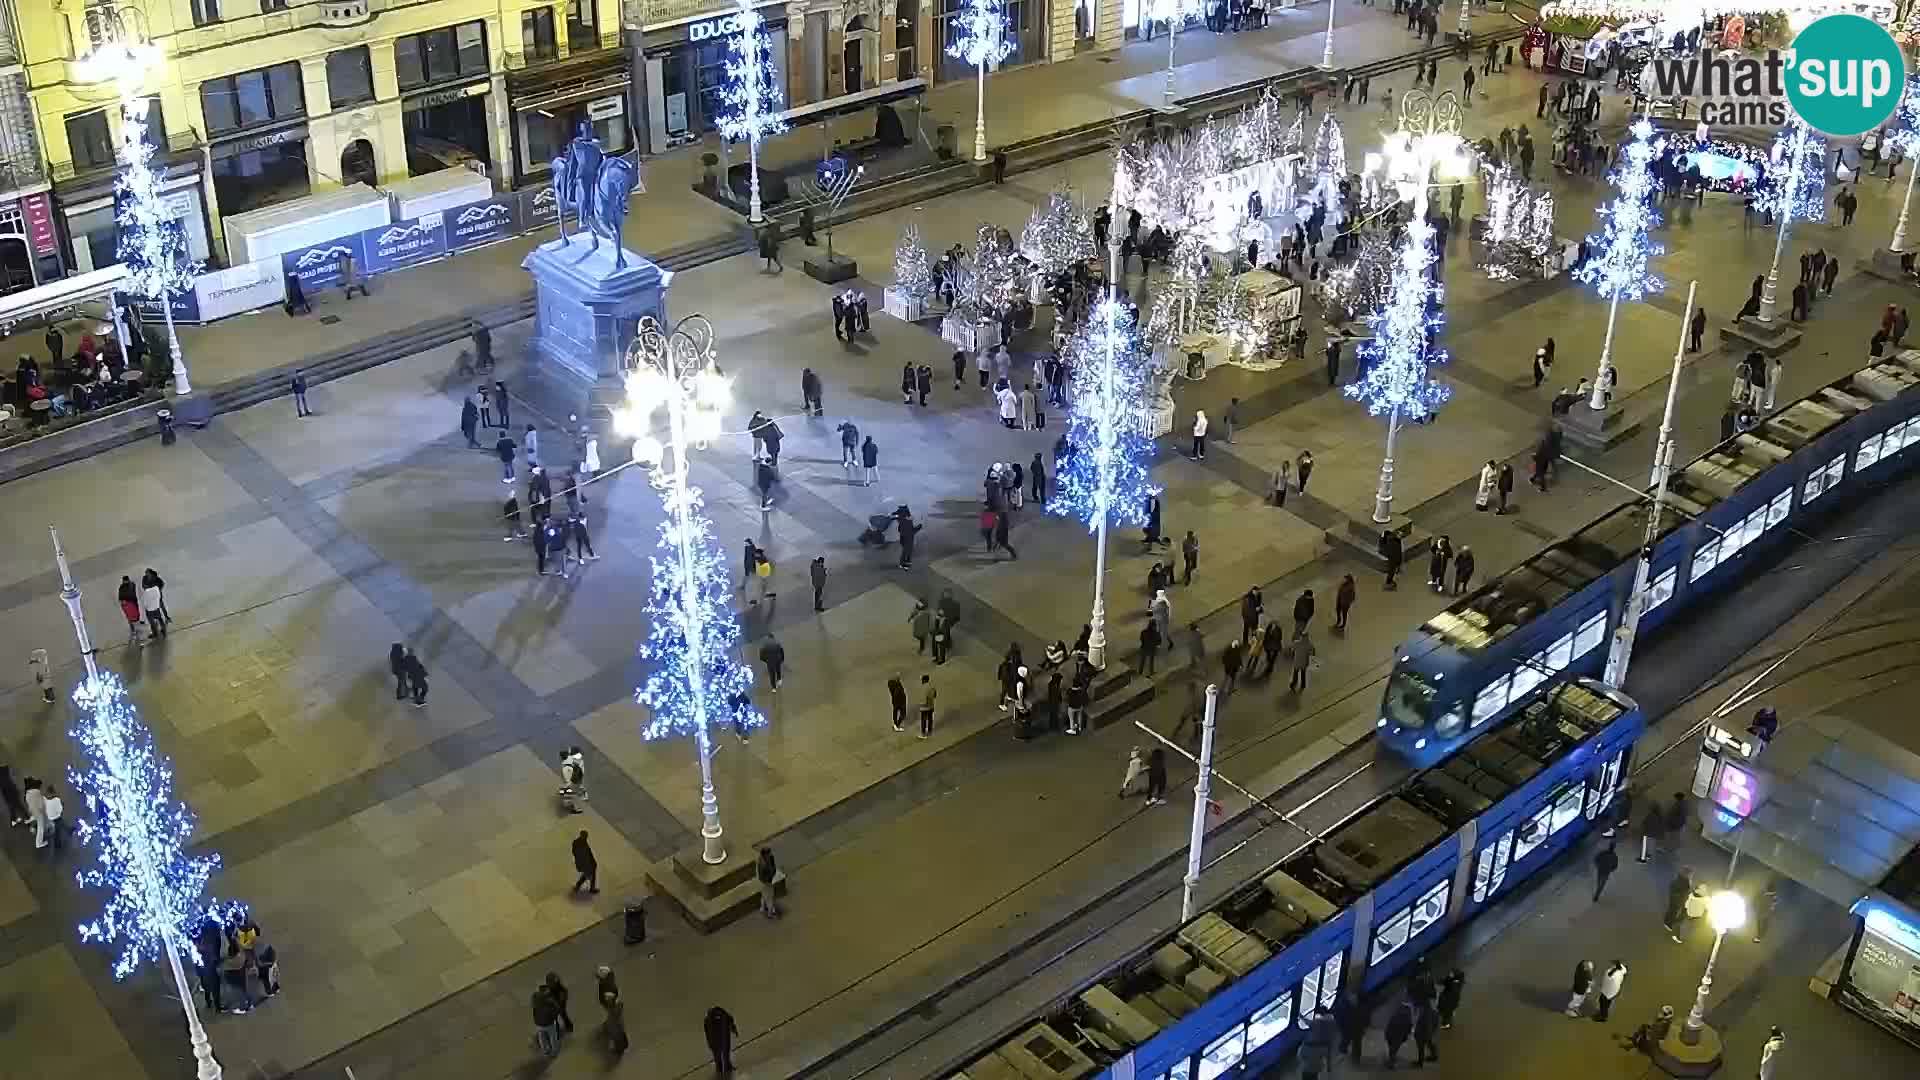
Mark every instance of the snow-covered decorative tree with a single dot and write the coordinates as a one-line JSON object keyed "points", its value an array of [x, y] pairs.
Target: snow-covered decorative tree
{"points": [[912, 269], [995, 283], [1349, 291], [1330, 150], [1621, 250], [750, 99], [1057, 236], [151, 244], [1519, 226]]}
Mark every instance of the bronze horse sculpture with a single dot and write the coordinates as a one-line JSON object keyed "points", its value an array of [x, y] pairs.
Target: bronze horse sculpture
{"points": [[596, 188]]}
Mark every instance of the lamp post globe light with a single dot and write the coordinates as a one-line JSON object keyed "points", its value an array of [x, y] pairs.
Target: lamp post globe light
{"points": [[149, 244], [1693, 1048], [980, 38], [1427, 143], [694, 681]]}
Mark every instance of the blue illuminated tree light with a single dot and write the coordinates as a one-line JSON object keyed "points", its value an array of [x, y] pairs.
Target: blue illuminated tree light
{"points": [[1796, 181], [695, 680], [1397, 362], [750, 99], [156, 893], [1104, 476], [1617, 266]]}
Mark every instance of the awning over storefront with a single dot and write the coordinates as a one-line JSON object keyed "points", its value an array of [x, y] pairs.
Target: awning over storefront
{"points": [[94, 285]]}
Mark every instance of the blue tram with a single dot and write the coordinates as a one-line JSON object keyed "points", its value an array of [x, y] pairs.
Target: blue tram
{"points": [[1236, 988], [1480, 659]]}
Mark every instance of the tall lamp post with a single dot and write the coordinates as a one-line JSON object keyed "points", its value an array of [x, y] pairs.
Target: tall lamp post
{"points": [[1624, 245], [1904, 135], [1396, 383], [696, 681], [1793, 189], [1694, 1048], [138, 830], [980, 38], [749, 97], [149, 241], [1326, 49], [1465, 30]]}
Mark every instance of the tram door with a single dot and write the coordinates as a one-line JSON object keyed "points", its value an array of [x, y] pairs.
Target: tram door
{"points": [[1602, 785]]}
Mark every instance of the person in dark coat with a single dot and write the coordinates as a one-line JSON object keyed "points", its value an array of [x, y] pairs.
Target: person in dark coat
{"points": [[897, 697], [720, 1031], [1463, 565], [1156, 776], [1391, 551], [1353, 1018], [1605, 862], [397, 661], [470, 422], [1230, 660], [416, 678], [817, 574], [1678, 890], [1252, 606], [1426, 1025], [557, 990], [1399, 1027], [1343, 601], [774, 656], [810, 392], [1451, 988], [587, 866], [1302, 612], [501, 405], [908, 530]]}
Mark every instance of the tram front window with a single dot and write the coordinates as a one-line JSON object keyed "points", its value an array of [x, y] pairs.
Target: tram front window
{"points": [[1409, 701]]}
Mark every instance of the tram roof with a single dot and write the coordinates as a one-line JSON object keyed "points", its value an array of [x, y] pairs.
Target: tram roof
{"points": [[1510, 601]]}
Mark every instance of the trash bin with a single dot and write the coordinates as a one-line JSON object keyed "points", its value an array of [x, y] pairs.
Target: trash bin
{"points": [[167, 435], [636, 922]]}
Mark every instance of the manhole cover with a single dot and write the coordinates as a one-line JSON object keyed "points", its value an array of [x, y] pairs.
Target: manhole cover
{"points": [[329, 320]]}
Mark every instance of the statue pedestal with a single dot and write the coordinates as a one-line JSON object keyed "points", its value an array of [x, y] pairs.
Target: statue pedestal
{"points": [[586, 312]]}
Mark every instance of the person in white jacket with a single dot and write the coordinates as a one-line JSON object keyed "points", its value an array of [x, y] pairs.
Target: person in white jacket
{"points": [[1200, 435], [1483, 498], [1009, 407], [1135, 780], [1770, 1053], [1611, 981]]}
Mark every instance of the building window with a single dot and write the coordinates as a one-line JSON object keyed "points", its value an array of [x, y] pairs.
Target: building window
{"points": [[89, 141], [451, 52], [905, 36], [349, 76], [267, 6], [583, 25], [253, 97], [205, 12], [536, 34]]}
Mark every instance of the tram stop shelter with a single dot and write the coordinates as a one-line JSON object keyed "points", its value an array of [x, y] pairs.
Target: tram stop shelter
{"points": [[1834, 805]]}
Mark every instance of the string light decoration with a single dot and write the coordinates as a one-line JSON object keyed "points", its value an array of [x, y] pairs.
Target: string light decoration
{"points": [[155, 892], [994, 286], [150, 243], [694, 682], [912, 269], [1104, 475], [1057, 237], [980, 39], [1330, 150], [1903, 138], [1519, 226], [1796, 181], [1619, 253], [1397, 362], [750, 100], [1347, 291]]}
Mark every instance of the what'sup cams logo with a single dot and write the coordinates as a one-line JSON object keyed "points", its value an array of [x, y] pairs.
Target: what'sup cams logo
{"points": [[1843, 76]]}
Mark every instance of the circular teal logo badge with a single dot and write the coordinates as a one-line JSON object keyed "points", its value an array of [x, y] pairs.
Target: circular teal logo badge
{"points": [[1845, 75]]}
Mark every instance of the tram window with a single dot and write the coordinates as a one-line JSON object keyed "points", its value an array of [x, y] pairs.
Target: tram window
{"points": [[1868, 453], [1483, 873], [1559, 654], [1524, 680], [1431, 908], [1182, 1071], [1409, 700], [1491, 700], [1811, 490], [1309, 997], [1704, 558], [1330, 979], [1566, 808], [1591, 634], [1779, 508], [1223, 1054], [1531, 834], [1755, 525], [1836, 470], [1270, 1021], [1909, 431], [1661, 590], [1392, 934]]}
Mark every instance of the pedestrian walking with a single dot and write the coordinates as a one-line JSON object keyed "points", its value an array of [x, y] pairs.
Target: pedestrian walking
{"points": [[1162, 612], [397, 663], [767, 872], [929, 693], [1303, 657], [1391, 551], [1230, 419], [1605, 862], [1765, 905], [1343, 601], [1611, 981], [774, 656], [1696, 329], [1448, 998], [573, 779], [817, 575], [720, 1031], [530, 446], [810, 393], [546, 1021], [1582, 986], [1302, 611], [129, 598], [1230, 663], [1189, 557], [897, 697], [585, 865], [1399, 1028], [503, 449], [1503, 487], [1156, 776], [1200, 435], [416, 678], [36, 801], [54, 810], [1463, 565], [1135, 778], [1272, 642], [1037, 476], [470, 422], [1770, 1053], [849, 444], [920, 623], [870, 461], [150, 603], [1149, 647], [557, 990], [1316, 1051], [1303, 468], [298, 384], [1437, 561], [1252, 606], [1679, 891], [615, 1027]]}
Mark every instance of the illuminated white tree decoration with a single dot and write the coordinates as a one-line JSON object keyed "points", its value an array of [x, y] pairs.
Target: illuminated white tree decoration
{"points": [[138, 832], [993, 286], [1795, 187], [1397, 361], [1519, 226], [1103, 480], [1361, 285], [979, 38], [1619, 253], [912, 270], [750, 100], [1903, 138], [1057, 237], [694, 681]]}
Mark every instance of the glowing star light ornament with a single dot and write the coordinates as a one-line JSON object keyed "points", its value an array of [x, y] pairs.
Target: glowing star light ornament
{"points": [[751, 99], [1795, 188], [979, 38], [1621, 250], [694, 681]]}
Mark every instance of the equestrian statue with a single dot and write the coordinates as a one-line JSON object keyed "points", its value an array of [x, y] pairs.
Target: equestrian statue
{"points": [[596, 188]]}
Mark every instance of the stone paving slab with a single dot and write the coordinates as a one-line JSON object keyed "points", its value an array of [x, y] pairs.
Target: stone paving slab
{"points": [[45, 996]]}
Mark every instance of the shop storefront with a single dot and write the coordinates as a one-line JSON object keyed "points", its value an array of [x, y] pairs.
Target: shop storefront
{"points": [[260, 168], [687, 73], [550, 104], [93, 236], [29, 247], [446, 127]]}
